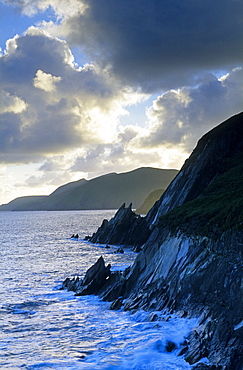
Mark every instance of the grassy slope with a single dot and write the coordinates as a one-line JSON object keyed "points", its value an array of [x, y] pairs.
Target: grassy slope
{"points": [[149, 201], [218, 209]]}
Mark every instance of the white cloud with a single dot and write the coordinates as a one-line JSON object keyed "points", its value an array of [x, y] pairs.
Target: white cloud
{"points": [[60, 7], [58, 107], [11, 103], [45, 81], [181, 117]]}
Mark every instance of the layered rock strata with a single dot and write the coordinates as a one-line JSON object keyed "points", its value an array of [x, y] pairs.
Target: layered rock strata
{"points": [[192, 250], [125, 228]]}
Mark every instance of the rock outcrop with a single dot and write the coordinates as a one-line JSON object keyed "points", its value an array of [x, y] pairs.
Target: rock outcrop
{"points": [[192, 250], [125, 228], [93, 281]]}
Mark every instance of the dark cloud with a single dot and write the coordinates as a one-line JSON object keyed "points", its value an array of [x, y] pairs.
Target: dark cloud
{"points": [[158, 43]]}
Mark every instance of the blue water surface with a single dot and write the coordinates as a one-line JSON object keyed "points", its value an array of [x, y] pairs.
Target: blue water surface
{"points": [[43, 327]]}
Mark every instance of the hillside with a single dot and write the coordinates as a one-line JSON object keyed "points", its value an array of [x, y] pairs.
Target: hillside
{"points": [[21, 201], [149, 201], [218, 209], [70, 186], [191, 255], [103, 192]]}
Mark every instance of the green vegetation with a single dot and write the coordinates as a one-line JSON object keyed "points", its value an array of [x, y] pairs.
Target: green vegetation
{"points": [[218, 209], [149, 201]]}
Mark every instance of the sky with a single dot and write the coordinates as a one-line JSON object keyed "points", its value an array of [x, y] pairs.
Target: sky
{"points": [[92, 87]]}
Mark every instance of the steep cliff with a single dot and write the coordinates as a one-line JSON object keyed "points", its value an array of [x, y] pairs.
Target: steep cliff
{"points": [[192, 254], [213, 155]]}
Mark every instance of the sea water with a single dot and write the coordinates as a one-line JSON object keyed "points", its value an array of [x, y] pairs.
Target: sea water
{"points": [[43, 327]]}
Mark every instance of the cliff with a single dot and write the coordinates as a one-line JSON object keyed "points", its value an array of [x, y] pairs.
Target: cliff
{"points": [[192, 250]]}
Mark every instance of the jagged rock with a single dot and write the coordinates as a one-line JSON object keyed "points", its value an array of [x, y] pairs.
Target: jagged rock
{"points": [[184, 266], [126, 271], [98, 280], [114, 287], [137, 249], [183, 350], [75, 236], [117, 304], [87, 237], [125, 228], [119, 250], [72, 284], [170, 346], [95, 278]]}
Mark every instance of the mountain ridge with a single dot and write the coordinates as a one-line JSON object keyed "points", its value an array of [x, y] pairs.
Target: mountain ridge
{"points": [[103, 192]]}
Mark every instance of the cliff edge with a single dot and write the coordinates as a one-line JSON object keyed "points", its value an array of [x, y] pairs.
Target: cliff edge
{"points": [[191, 250]]}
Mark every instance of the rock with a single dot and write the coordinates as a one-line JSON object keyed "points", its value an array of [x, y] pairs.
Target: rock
{"points": [[170, 346], [117, 304], [183, 350], [65, 283], [87, 237], [152, 317], [119, 250], [114, 287], [95, 278], [126, 271], [75, 236], [192, 257], [202, 366], [71, 284], [107, 246], [125, 228], [137, 249]]}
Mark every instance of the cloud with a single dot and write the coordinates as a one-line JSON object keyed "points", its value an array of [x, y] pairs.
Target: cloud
{"points": [[45, 81], [156, 44], [159, 44], [11, 103], [126, 153], [60, 7], [53, 105], [175, 122], [181, 117]]}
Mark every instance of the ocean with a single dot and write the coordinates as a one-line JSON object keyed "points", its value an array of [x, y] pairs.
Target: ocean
{"points": [[43, 327]]}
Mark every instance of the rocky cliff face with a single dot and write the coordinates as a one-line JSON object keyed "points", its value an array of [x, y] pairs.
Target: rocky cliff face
{"points": [[192, 250], [195, 276], [209, 159]]}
